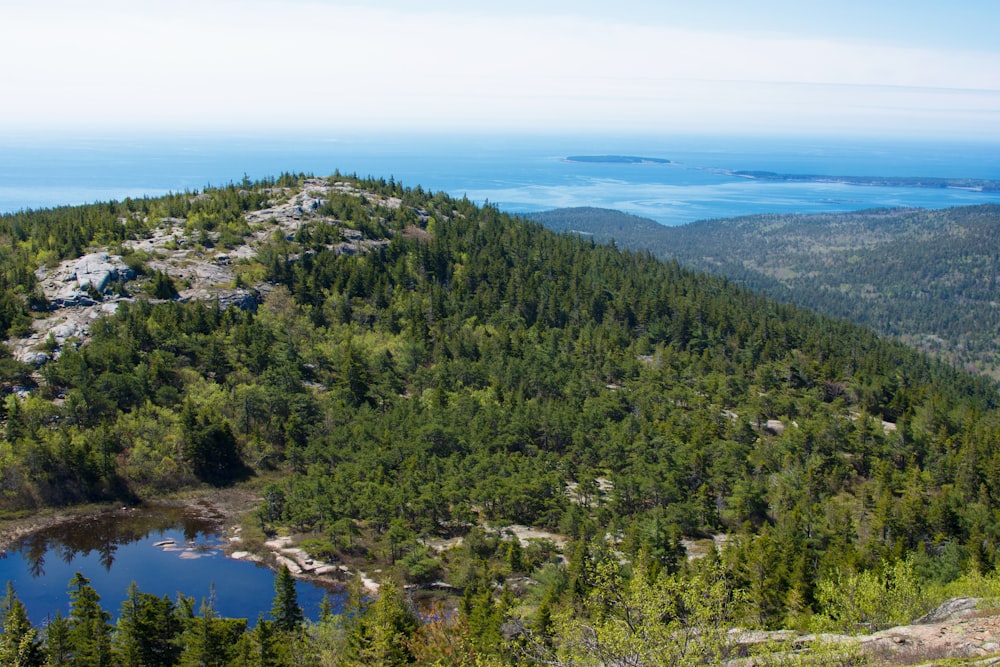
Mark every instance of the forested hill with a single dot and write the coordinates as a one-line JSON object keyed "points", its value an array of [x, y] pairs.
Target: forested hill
{"points": [[419, 366], [926, 277]]}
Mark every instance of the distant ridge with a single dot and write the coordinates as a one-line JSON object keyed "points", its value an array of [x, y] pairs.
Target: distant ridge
{"points": [[925, 277]]}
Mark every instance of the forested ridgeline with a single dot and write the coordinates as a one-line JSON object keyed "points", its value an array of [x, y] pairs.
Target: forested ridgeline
{"points": [[478, 370], [926, 277]]}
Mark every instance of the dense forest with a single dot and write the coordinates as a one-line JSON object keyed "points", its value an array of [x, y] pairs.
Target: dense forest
{"points": [[928, 278], [472, 370]]}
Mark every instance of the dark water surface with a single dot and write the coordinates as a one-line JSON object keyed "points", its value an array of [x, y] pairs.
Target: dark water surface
{"points": [[114, 548]]}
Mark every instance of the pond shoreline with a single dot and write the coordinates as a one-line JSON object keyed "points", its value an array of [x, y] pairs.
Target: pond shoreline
{"points": [[222, 506], [225, 509]]}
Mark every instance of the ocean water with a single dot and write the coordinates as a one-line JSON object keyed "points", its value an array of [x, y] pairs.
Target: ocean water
{"points": [[520, 174]]}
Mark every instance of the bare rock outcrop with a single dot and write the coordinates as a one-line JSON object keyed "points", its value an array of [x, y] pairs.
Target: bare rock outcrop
{"points": [[97, 270], [82, 289], [957, 629]]}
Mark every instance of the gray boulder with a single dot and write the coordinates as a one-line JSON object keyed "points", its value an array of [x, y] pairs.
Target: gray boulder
{"points": [[951, 610], [95, 270], [99, 269]]}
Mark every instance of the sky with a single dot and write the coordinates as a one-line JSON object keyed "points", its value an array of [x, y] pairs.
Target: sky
{"points": [[851, 67]]}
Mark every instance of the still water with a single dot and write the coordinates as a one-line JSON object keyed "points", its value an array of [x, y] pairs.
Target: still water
{"points": [[114, 548]]}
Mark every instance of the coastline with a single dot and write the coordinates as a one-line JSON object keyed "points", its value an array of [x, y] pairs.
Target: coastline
{"points": [[925, 182]]}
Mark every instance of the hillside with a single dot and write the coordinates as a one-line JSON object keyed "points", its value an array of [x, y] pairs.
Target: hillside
{"points": [[928, 278], [421, 380]]}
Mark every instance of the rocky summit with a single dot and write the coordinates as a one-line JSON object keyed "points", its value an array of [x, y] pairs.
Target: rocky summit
{"points": [[79, 290]]}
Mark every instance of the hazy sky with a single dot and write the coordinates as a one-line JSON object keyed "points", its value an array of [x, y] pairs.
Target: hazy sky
{"points": [[847, 67]]}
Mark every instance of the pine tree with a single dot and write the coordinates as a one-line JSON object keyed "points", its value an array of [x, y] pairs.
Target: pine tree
{"points": [[208, 640], [19, 645], [381, 636], [57, 646], [325, 609], [89, 627], [259, 647], [286, 612], [126, 637], [147, 631]]}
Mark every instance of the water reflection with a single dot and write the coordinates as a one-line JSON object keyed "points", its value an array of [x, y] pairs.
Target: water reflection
{"points": [[102, 534], [166, 550]]}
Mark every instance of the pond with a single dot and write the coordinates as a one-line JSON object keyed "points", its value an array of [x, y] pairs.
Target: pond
{"points": [[164, 549]]}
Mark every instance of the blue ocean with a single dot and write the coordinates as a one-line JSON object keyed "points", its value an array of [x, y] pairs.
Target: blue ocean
{"points": [[519, 174]]}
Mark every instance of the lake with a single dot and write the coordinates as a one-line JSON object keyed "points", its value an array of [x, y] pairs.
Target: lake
{"points": [[114, 548], [520, 174]]}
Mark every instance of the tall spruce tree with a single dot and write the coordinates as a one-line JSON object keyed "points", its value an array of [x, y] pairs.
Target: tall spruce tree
{"points": [[57, 648], [147, 631], [286, 612], [19, 645], [89, 628]]}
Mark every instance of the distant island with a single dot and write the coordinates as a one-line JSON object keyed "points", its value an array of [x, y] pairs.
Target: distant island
{"points": [[978, 185], [617, 159]]}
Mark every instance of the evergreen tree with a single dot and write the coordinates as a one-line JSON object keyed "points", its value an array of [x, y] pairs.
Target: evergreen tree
{"points": [[58, 650], [147, 631], [210, 641], [162, 286], [126, 638], [89, 628], [19, 645], [286, 612], [381, 635], [259, 647]]}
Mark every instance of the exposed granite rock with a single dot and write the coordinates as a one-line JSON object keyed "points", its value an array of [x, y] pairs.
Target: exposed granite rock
{"points": [[206, 274], [951, 610], [98, 269], [244, 299], [34, 358]]}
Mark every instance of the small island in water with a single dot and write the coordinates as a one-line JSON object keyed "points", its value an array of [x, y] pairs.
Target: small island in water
{"points": [[617, 159]]}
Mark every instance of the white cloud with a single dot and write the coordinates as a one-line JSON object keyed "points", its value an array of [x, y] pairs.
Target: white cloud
{"points": [[317, 64]]}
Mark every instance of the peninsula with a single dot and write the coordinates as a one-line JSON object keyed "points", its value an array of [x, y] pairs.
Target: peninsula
{"points": [[978, 185]]}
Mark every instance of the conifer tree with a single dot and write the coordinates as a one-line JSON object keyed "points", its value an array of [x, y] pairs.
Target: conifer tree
{"points": [[286, 612], [57, 646], [19, 645], [147, 631], [381, 636], [260, 648], [89, 628], [209, 640]]}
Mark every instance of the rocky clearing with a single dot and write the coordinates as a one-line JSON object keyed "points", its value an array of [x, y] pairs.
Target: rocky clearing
{"points": [[83, 289]]}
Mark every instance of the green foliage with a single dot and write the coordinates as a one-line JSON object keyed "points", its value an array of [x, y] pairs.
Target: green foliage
{"points": [[161, 286], [211, 448], [210, 641], [19, 642], [666, 620], [926, 277], [477, 371], [871, 600], [286, 613], [381, 635], [58, 650], [89, 631], [148, 630]]}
